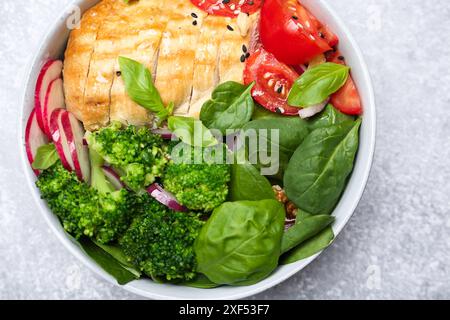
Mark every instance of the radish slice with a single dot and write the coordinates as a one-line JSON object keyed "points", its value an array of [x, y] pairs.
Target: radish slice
{"points": [[53, 100], [113, 177], [80, 153], [51, 70], [312, 110], [34, 138], [165, 197], [166, 134], [60, 140]]}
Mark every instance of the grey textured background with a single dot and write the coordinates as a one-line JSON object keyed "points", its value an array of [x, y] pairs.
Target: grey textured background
{"points": [[398, 243]]}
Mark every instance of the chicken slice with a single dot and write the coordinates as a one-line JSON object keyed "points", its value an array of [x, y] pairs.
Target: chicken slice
{"points": [[177, 53], [145, 24], [206, 75], [78, 57]]}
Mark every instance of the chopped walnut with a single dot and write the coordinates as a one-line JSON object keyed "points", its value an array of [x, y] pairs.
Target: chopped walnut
{"points": [[291, 210], [280, 194]]}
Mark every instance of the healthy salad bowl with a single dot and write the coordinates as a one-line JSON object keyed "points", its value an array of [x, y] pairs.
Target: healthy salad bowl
{"points": [[197, 149]]}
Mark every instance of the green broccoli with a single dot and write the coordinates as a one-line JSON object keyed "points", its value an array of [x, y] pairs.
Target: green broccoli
{"points": [[160, 241], [199, 187], [85, 211], [137, 153]]}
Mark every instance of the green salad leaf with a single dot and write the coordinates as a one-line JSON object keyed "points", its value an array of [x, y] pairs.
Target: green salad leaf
{"points": [[328, 117], [317, 172], [248, 184], [191, 131], [46, 156], [200, 282], [139, 85], [317, 84], [231, 106], [241, 242]]}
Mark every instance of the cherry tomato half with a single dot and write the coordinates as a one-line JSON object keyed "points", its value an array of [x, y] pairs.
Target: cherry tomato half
{"points": [[228, 8], [291, 33], [273, 81], [347, 99]]}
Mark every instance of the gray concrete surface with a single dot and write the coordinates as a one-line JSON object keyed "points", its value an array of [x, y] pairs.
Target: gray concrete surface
{"points": [[398, 243]]}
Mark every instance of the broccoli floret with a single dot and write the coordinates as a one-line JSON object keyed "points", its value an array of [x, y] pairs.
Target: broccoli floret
{"points": [[136, 152], [84, 211], [160, 241], [199, 187]]}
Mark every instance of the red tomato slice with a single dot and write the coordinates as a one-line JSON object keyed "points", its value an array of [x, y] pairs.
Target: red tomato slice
{"points": [[291, 33], [347, 99], [273, 81], [228, 8]]}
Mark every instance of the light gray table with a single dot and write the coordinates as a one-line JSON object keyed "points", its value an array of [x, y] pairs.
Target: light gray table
{"points": [[398, 243]]}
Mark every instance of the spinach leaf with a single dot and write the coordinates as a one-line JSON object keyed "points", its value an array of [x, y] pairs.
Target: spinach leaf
{"points": [[328, 117], [309, 247], [240, 243], [117, 253], [140, 88], [46, 156], [191, 131], [261, 113], [107, 262], [317, 84], [200, 282], [317, 172], [304, 230], [248, 184], [291, 133], [231, 107]]}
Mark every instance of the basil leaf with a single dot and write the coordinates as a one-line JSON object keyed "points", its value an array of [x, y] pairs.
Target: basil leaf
{"points": [[46, 156], [248, 184], [231, 106], [191, 131], [140, 88], [304, 230], [317, 172], [309, 248], [107, 262], [317, 84]]}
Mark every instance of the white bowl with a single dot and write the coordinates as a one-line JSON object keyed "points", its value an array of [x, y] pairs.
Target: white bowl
{"points": [[53, 46]]}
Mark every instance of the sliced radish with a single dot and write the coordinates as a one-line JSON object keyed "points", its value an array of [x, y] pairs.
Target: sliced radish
{"points": [[54, 99], [60, 140], [165, 197], [51, 70], [79, 152], [34, 138], [113, 177]]}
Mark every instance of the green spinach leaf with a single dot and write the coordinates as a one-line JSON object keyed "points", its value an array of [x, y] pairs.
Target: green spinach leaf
{"points": [[240, 244], [317, 84], [117, 253], [328, 117], [248, 184], [262, 113], [317, 172], [304, 230], [309, 248], [140, 88], [46, 156], [107, 262], [231, 106], [191, 131], [200, 282]]}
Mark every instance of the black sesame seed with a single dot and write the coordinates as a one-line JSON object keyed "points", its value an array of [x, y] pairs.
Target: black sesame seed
{"points": [[230, 28], [194, 15], [280, 89], [243, 58], [194, 22], [250, 3], [226, 1], [244, 48], [247, 55], [278, 110], [295, 17], [321, 35], [341, 58], [118, 73]]}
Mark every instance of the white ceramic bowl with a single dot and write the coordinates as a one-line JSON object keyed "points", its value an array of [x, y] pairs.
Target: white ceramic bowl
{"points": [[53, 46]]}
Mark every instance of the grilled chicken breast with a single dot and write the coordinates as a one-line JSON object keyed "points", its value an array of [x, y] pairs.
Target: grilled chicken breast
{"points": [[188, 52]]}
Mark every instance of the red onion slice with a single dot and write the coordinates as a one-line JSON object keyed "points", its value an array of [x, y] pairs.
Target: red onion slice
{"points": [[166, 134], [165, 197], [312, 110], [113, 177], [289, 223]]}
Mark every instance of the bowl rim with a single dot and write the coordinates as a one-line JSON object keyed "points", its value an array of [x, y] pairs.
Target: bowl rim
{"points": [[243, 292]]}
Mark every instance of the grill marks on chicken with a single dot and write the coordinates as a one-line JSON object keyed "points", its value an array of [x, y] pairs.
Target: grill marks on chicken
{"points": [[188, 52]]}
